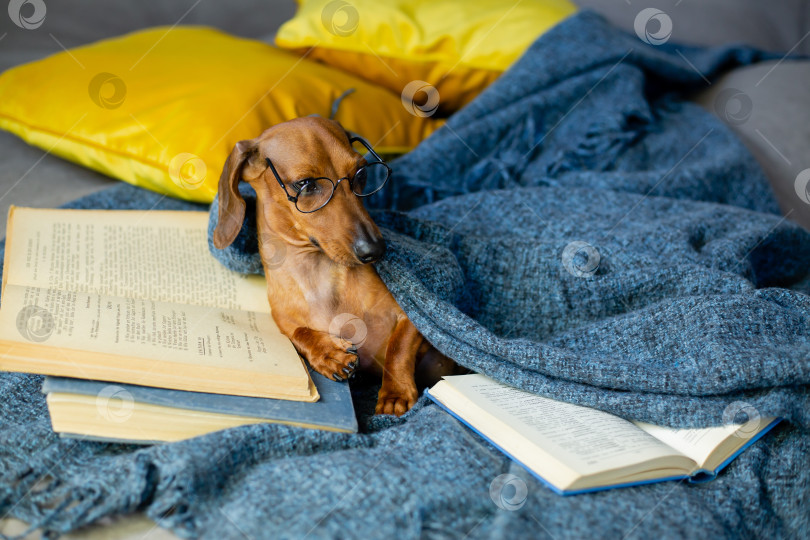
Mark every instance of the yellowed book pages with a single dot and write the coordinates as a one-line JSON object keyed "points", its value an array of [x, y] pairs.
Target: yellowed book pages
{"points": [[79, 414], [136, 297]]}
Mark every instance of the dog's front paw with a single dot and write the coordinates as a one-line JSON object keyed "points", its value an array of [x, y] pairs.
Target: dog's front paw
{"points": [[332, 357], [336, 364], [395, 401]]}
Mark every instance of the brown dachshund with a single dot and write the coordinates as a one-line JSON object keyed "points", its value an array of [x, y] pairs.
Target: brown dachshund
{"points": [[316, 256]]}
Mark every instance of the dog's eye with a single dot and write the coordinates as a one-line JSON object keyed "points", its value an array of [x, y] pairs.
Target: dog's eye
{"points": [[301, 184], [360, 178], [310, 187]]}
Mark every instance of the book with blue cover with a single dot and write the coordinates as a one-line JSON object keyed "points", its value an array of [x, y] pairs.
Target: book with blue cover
{"points": [[574, 449], [127, 413]]}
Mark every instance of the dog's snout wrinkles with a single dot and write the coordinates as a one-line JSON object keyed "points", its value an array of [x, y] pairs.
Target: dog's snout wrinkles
{"points": [[369, 248]]}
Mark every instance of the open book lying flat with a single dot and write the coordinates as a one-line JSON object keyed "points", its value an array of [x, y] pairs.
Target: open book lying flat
{"points": [[574, 449], [135, 297]]}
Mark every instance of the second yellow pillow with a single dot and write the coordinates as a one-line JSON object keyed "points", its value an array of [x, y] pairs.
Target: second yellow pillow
{"points": [[409, 46]]}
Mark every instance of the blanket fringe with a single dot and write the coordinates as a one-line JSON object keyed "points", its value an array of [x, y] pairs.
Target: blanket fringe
{"points": [[45, 495], [605, 142]]}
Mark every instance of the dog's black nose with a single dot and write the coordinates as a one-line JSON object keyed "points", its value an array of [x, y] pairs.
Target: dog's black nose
{"points": [[369, 249]]}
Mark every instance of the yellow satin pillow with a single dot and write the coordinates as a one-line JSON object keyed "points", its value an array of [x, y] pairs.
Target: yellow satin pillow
{"points": [[408, 46], [162, 108]]}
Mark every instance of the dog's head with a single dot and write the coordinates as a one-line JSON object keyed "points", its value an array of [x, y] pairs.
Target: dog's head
{"points": [[300, 150]]}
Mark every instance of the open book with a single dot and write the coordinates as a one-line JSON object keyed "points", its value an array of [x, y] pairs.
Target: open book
{"points": [[574, 449], [136, 297]]}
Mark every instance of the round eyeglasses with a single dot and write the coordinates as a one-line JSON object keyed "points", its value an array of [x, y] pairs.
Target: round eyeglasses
{"points": [[312, 194]]}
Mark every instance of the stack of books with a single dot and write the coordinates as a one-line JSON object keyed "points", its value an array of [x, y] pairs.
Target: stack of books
{"points": [[144, 336]]}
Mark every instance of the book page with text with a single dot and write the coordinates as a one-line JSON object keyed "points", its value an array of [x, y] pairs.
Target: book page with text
{"points": [[586, 440], [144, 331], [155, 255]]}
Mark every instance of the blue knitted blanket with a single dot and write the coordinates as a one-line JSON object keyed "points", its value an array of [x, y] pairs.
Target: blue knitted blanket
{"points": [[580, 231]]}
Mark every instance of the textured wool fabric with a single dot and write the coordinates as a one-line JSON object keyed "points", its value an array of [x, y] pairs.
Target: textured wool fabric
{"points": [[584, 152]]}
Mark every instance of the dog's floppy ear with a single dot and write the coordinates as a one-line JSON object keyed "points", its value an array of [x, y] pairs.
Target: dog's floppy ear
{"points": [[231, 204]]}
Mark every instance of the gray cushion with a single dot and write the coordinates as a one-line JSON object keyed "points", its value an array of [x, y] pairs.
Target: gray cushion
{"points": [[77, 22], [772, 25], [768, 106]]}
